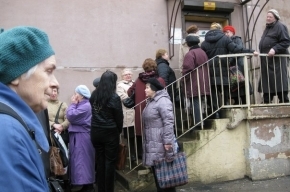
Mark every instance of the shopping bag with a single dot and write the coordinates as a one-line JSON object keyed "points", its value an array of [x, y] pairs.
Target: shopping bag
{"points": [[171, 174], [237, 79], [121, 162]]}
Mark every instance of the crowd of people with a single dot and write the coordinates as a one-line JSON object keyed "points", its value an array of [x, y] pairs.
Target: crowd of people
{"points": [[92, 123]]}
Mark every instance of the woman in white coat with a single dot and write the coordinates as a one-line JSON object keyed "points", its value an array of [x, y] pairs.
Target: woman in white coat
{"points": [[129, 114]]}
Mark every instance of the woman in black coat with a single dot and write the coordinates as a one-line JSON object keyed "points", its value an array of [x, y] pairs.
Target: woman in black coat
{"points": [[217, 43], [275, 40]]}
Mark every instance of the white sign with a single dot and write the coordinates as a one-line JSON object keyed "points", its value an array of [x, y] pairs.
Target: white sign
{"points": [[177, 38]]}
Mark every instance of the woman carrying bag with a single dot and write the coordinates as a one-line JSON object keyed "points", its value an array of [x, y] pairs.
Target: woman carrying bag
{"points": [[158, 123]]}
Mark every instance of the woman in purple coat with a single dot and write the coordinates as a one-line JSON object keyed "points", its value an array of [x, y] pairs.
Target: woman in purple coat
{"points": [[81, 150], [158, 121]]}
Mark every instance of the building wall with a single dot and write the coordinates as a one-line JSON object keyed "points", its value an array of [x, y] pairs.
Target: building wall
{"points": [[90, 37]]}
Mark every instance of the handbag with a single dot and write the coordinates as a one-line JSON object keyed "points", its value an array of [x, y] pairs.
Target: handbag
{"points": [[56, 165], [64, 134], [237, 79], [122, 154], [171, 174], [59, 143], [129, 102]]}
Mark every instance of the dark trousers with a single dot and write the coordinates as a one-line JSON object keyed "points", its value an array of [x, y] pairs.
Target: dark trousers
{"points": [[283, 97], [157, 185], [195, 110], [215, 90], [106, 143]]}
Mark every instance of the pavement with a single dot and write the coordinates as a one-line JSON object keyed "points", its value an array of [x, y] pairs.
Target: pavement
{"points": [[280, 184]]}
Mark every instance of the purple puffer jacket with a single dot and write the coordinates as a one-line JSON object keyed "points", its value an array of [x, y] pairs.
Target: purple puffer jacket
{"points": [[158, 123]]}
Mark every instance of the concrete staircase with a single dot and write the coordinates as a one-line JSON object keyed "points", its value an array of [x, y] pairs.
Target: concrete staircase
{"points": [[214, 154]]}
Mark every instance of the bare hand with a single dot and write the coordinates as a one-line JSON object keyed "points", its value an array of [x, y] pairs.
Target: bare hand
{"points": [[271, 52], [74, 99], [168, 147], [256, 53], [58, 128]]}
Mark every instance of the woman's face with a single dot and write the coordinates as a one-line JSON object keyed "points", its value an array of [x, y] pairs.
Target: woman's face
{"points": [[54, 94], [149, 92], [127, 76], [78, 96], [229, 33], [165, 56]]}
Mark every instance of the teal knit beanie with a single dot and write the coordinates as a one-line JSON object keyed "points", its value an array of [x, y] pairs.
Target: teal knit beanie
{"points": [[21, 48]]}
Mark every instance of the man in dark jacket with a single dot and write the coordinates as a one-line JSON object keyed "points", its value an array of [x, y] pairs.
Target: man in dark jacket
{"points": [[217, 43], [165, 71], [275, 40]]}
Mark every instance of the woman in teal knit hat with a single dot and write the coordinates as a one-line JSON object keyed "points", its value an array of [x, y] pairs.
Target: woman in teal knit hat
{"points": [[27, 63]]}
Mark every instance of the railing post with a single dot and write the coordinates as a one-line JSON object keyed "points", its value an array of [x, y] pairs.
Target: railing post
{"points": [[247, 87]]}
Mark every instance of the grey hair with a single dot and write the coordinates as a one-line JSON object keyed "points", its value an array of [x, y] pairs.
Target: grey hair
{"points": [[29, 72]]}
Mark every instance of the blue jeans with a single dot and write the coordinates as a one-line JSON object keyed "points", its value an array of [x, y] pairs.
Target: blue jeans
{"points": [[106, 143]]}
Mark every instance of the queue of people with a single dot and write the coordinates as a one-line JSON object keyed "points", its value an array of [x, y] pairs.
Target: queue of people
{"points": [[94, 121]]}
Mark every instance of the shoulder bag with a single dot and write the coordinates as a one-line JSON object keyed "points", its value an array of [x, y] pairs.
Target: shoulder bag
{"points": [[64, 134], [122, 154]]}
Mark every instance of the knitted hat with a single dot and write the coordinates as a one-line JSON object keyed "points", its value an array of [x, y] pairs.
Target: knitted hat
{"points": [[215, 26], [155, 84], [192, 29], [21, 49], [84, 91], [96, 82], [230, 28], [275, 13], [192, 40]]}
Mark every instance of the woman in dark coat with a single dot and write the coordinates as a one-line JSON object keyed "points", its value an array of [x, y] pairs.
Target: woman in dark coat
{"points": [[196, 86], [107, 125], [275, 40], [158, 121], [165, 71], [138, 87], [217, 43]]}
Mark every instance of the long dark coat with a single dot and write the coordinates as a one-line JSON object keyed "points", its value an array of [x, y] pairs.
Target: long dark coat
{"points": [[139, 88], [275, 36], [217, 43], [192, 60]]}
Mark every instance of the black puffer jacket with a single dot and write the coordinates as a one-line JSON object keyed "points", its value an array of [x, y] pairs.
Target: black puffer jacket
{"points": [[167, 74], [108, 116], [217, 43]]}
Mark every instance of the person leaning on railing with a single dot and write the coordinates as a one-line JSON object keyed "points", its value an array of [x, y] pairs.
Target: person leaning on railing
{"points": [[217, 43], [275, 40], [240, 94]]}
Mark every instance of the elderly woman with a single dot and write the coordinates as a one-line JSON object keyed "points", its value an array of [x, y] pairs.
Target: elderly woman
{"points": [[158, 121], [57, 115], [81, 150], [129, 114], [26, 78], [138, 87]]}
